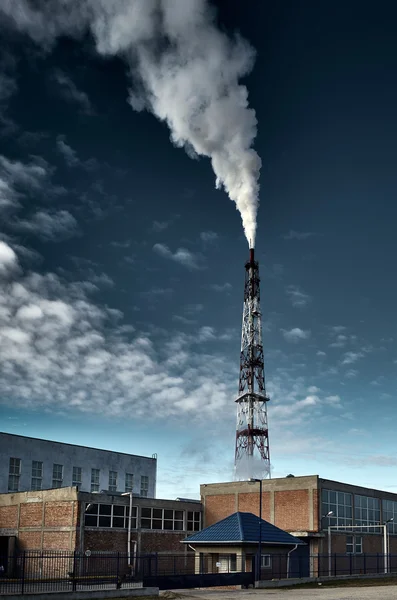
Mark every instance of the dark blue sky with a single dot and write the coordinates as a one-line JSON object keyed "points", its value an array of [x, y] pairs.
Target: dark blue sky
{"points": [[121, 312]]}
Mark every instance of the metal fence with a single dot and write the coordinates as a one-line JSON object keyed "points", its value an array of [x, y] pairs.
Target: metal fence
{"points": [[50, 571], [54, 571]]}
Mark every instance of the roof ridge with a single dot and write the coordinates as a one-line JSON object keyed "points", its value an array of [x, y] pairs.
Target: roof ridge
{"points": [[240, 526]]}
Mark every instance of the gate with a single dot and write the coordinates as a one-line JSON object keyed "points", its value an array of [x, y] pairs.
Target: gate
{"points": [[175, 572]]}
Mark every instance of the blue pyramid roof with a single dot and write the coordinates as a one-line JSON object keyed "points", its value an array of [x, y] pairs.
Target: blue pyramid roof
{"points": [[242, 527]]}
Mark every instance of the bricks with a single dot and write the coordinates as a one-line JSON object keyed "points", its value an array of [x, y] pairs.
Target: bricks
{"points": [[250, 503], [291, 510], [218, 507], [152, 541], [111, 540], [59, 514], [56, 540], [29, 540], [31, 515], [9, 517]]}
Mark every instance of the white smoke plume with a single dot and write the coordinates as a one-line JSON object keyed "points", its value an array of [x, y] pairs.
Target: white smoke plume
{"points": [[249, 467], [183, 69]]}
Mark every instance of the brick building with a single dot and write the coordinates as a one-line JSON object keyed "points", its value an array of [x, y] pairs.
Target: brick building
{"points": [[33, 464], [66, 519], [301, 505]]}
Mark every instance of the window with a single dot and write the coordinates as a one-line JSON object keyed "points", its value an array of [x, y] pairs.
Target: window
{"points": [[266, 562], [14, 474], [76, 476], [37, 475], [109, 515], [227, 563], [129, 482], [367, 512], [112, 487], [389, 508], [340, 503], [144, 485], [193, 521], [162, 518], [57, 476], [95, 480], [354, 544]]}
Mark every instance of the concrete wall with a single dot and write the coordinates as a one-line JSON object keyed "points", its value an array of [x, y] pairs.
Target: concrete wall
{"points": [[68, 455]]}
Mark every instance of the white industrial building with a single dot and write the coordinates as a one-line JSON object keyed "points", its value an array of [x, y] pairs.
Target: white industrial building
{"points": [[33, 464]]}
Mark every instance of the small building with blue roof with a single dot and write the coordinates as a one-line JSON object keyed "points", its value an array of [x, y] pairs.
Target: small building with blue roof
{"points": [[233, 543]]}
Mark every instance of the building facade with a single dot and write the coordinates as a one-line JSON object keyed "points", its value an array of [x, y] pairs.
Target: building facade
{"points": [[67, 519], [302, 506], [35, 464]]}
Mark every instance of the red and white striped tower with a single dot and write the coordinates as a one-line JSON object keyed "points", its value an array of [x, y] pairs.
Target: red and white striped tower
{"points": [[252, 458]]}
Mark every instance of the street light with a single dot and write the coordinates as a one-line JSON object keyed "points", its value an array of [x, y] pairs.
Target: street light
{"points": [[129, 528], [386, 544], [259, 561]]}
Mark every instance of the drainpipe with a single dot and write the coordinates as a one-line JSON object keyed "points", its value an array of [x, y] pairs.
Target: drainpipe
{"points": [[293, 550]]}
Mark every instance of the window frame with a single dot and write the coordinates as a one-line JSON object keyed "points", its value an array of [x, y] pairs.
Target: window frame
{"points": [[129, 477], [113, 475], [77, 480], [14, 473], [144, 486], [102, 513], [162, 519], [354, 544], [193, 523], [57, 480], [95, 479], [36, 483], [268, 560]]}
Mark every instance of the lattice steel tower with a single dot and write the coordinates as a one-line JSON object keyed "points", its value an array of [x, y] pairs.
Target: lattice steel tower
{"points": [[252, 439]]}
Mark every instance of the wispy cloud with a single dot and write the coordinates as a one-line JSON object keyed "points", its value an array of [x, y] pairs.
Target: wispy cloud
{"points": [[50, 225], [351, 357], [208, 236], [67, 152], [158, 226], [298, 298], [70, 92], [182, 256], [296, 334], [298, 235], [221, 287]]}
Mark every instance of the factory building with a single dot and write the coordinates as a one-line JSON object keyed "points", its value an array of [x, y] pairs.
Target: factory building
{"points": [[34, 464], [68, 519], [302, 507]]}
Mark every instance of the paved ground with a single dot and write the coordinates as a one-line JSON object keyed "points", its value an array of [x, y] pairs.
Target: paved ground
{"points": [[383, 592]]}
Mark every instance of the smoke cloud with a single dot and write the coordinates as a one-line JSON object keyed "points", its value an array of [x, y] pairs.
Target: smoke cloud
{"points": [[183, 70]]}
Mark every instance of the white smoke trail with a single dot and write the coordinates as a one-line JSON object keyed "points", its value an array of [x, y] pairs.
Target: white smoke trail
{"points": [[183, 69]]}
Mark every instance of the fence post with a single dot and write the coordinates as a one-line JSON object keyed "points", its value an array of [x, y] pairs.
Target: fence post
{"points": [[335, 564], [74, 585], [350, 561], [117, 571], [365, 564], [23, 572]]}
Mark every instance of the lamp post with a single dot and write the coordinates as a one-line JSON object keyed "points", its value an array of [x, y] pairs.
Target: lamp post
{"points": [[259, 561], [129, 528], [386, 544]]}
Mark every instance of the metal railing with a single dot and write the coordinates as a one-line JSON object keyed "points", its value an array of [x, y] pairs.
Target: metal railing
{"points": [[52, 571]]}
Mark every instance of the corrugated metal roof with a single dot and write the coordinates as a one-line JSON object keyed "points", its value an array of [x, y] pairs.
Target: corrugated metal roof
{"points": [[242, 527]]}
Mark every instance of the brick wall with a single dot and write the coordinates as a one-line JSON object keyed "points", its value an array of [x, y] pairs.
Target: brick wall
{"points": [[31, 515], [218, 507], [56, 540], [9, 517], [249, 502], [156, 541], [100, 540], [29, 540], [291, 510], [59, 514]]}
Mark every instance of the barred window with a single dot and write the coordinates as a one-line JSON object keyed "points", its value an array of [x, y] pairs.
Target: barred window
{"points": [[144, 485], [162, 518], [37, 475], [112, 487], [340, 503], [193, 521], [57, 476], [129, 482], [110, 515], [76, 476], [95, 480], [367, 512], [14, 474]]}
